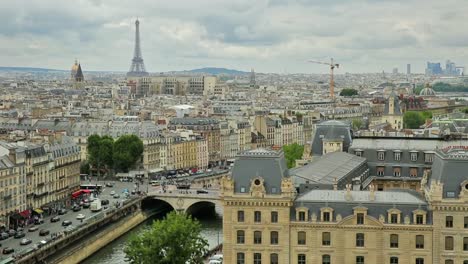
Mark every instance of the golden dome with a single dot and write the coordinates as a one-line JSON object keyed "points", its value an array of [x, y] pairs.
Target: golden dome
{"points": [[75, 66]]}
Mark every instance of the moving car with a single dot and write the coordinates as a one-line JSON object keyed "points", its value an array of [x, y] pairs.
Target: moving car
{"points": [[11, 232], [7, 251], [55, 219], [20, 235], [116, 196], [62, 211], [44, 232], [33, 228], [76, 208], [25, 241], [104, 202], [4, 236], [112, 192], [66, 223], [109, 184], [80, 217], [86, 205]]}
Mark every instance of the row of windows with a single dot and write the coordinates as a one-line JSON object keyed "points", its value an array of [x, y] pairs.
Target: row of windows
{"points": [[413, 172], [393, 218], [449, 222], [449, 243], [257, 216], [326, 259]]}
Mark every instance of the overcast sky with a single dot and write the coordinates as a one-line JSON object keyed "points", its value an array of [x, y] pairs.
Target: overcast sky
{"points": [[268, 35]]}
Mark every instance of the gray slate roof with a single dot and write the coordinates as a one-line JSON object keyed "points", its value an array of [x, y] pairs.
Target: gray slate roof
{"points": [[325, 170], [267, 164], [331, 130], [451, 169]]}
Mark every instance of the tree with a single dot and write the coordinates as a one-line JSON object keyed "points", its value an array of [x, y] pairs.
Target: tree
{"points": [[465, 110], [292, 153], [348, 92], [175, 239], [357, 124], [126, 152], [413, 119], [84, 167], [100, 151]]}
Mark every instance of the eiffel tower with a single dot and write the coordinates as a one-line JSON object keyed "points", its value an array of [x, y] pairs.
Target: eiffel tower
{"points": [[138, 66]]}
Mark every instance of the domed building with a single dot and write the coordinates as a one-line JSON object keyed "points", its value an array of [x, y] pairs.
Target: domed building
{"points": [[76, 72], [427, 91]]}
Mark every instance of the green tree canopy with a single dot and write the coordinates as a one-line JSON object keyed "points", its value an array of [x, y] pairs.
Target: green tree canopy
{"points": [[413, 119], [175, 239], [357, 123], [100, 151], [127, 151], [348, 92], [292, 153]]}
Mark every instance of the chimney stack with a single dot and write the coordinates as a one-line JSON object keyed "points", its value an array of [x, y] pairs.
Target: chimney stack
{"points": [[348, 196], [371, 192]]}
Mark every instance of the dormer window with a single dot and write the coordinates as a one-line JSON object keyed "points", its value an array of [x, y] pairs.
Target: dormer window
{"points": [[394, 216], [326, 214], [302, 214], [381, 155]]}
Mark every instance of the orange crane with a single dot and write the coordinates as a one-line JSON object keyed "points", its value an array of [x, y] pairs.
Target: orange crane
{"points": [[332, 67]]}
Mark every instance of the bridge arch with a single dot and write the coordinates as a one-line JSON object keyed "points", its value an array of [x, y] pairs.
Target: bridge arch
{"points": [[152, 203], [199, 208]]}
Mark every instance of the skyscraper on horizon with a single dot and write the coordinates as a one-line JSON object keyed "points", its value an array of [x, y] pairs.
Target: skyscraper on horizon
{"points": [[138, 66], [252, 79], [408, 68]]}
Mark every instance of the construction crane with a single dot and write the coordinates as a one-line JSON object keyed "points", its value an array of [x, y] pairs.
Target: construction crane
{"points": [[332, 67]]}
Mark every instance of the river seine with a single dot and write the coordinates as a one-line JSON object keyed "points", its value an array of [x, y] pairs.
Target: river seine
{"points": [[113, 252]]}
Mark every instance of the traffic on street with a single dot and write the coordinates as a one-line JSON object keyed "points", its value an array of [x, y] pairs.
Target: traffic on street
{"points": [[43, 229]]}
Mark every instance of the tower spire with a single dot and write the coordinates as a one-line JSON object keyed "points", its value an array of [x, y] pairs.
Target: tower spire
{"points": [[138, 66]]}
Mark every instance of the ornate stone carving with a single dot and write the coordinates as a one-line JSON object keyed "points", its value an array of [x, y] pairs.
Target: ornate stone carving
{"points": [[287, 187], [381, 218], [227, 186], [257, 187]]}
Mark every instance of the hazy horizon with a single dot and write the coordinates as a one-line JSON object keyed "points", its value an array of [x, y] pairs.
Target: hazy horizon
{"points": [[271, 36]]}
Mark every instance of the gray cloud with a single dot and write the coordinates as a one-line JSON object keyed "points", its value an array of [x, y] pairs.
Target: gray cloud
{"points": [[269, 35]]}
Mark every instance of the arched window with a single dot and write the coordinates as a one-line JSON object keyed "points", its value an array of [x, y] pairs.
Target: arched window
{"points": [[257, 237], [359, 240], [394, 241], [301, 259], [301, 238], [448, 243], [448, 261], [274, 238], [393, 260], [240, 258], [326, 259], [240, 236], [274, 258]]}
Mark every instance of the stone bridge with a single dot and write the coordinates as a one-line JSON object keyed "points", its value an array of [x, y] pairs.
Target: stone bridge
{"points": [[188, 201]]}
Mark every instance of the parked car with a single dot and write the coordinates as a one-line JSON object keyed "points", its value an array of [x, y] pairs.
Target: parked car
{"points": [[104, 202], [7, 251], [11, 232], [109, 184], [4, 236], [20, 235], [86, 205], [55, 219], [39, 221], [62, 211], [66, 223], [25, 241], [33, 228], [44, 232], [80, 217], [76, 208], [116, 196], [112, 192]]}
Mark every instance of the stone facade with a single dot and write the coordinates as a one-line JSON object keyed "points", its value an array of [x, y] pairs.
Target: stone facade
{"points": [[267, 223]]}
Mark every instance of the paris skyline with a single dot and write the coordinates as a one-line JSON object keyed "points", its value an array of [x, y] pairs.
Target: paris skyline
{"points": [[270, 36]]}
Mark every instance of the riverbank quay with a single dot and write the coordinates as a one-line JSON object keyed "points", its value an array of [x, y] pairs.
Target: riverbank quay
{"points": [[79, 235]]}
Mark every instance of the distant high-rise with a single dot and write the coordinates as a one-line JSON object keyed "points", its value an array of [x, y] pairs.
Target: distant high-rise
{"points": [[252, 79], [395, 70], [138, 66], [433, 68], [408, 68]]}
